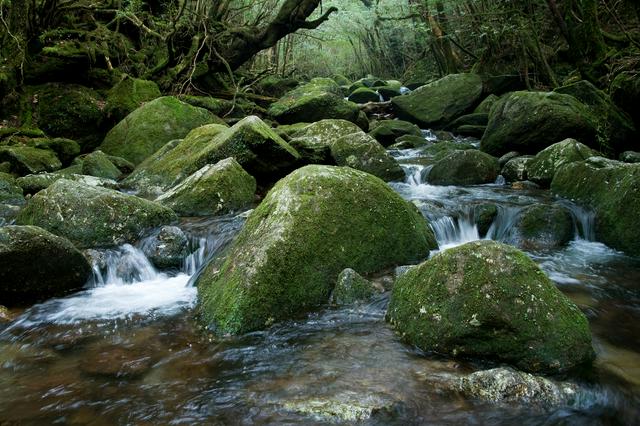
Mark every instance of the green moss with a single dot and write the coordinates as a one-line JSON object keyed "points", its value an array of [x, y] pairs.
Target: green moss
{"points": [[351, 287], [26, 160], [486, 105], [489, 300], [312, 224], [464, 167], [437, 104], [91, 216], [253, 144], [543, 227], [387, 131], [150, 127], [127, 95], [362, 152], [215, 189], [544, 165], [98, 164], [10, 192], [364, 95]]}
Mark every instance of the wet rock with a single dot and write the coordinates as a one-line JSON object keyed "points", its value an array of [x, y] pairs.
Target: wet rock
{"points": [[630, 157], [439, 103], [609, 188], [387, 131], [92, 216], [65, 149], [543, 227], [313, 102], [364, 95], [150, 127], [388, 92], [470, 130], [36, 265], [545, 164], [524, 184], [253, 144], [489, 300], [215, 189], [475, 119], [506, 385], [409, 142], [128, 95], [484, 215], [5, 315], [516, 168], [99, 165], [25, 160], [168, 248], [314, 141], [468, 167], [508, 156], [442, 149], [345, 407], [32, 184], [351, 287], [362, 152], [313, 224]]}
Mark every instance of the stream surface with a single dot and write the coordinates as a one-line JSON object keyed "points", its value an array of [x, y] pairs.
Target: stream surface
{"points": [[127, 350]]}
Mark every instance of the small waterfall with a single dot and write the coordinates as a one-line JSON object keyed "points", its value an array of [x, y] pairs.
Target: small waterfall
{"points": [[404, 90], [125, 265], [452, 232], [416, 175], [502, 227], [584, 221]]}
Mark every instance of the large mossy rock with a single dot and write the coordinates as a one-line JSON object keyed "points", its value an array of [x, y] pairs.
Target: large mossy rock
{"points": [[489, 300], [253, 144], [314, 102], [25, 160], [314, 141], [36, 265], [362, 152], [544, 165], [128, 95], [616, 132], [32, 184], [150, 127], [612, 190], [363, 95], [528, 122], [91, 216], [439, 103], [69, 111], [387, 131], [313, 224], [99, 165], [215, 189], [464, 167]]}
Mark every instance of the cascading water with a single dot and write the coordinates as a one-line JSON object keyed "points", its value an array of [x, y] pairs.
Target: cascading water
{"points": [[452, 232]]}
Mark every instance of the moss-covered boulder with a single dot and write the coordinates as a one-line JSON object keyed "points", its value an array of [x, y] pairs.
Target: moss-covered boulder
{"points": [[615, 129], [542, 227], [489, 300], [276, 86], [362, 152], [151, 126], [528, 122], [464, 167], [410, 142], [36, 265], [313, 224], [214, 189], [91, 216], [65, 149], [364, 95], [611, 189], [388, 92], [25, 160], [98, 164], [486, 105], [253, 144], [437, 104], [313, 102], [387, 131], [32, 184], [128, 95], [352, 287], [68, 111], [517, 168], [10, 192], [545, 164]]}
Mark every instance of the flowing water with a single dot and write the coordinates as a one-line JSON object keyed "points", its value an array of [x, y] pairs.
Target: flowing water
{"points": [[128, 350]]}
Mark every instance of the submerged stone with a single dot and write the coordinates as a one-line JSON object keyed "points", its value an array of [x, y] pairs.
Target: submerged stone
{"points": [[313, 224], [36, 265], [92, 216], [489, 300]]}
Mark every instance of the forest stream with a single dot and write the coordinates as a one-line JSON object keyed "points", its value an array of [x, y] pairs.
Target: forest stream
{"points": [[128, 350]]}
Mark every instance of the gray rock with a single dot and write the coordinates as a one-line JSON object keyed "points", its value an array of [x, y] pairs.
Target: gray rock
{"points": [[168, 248]]}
